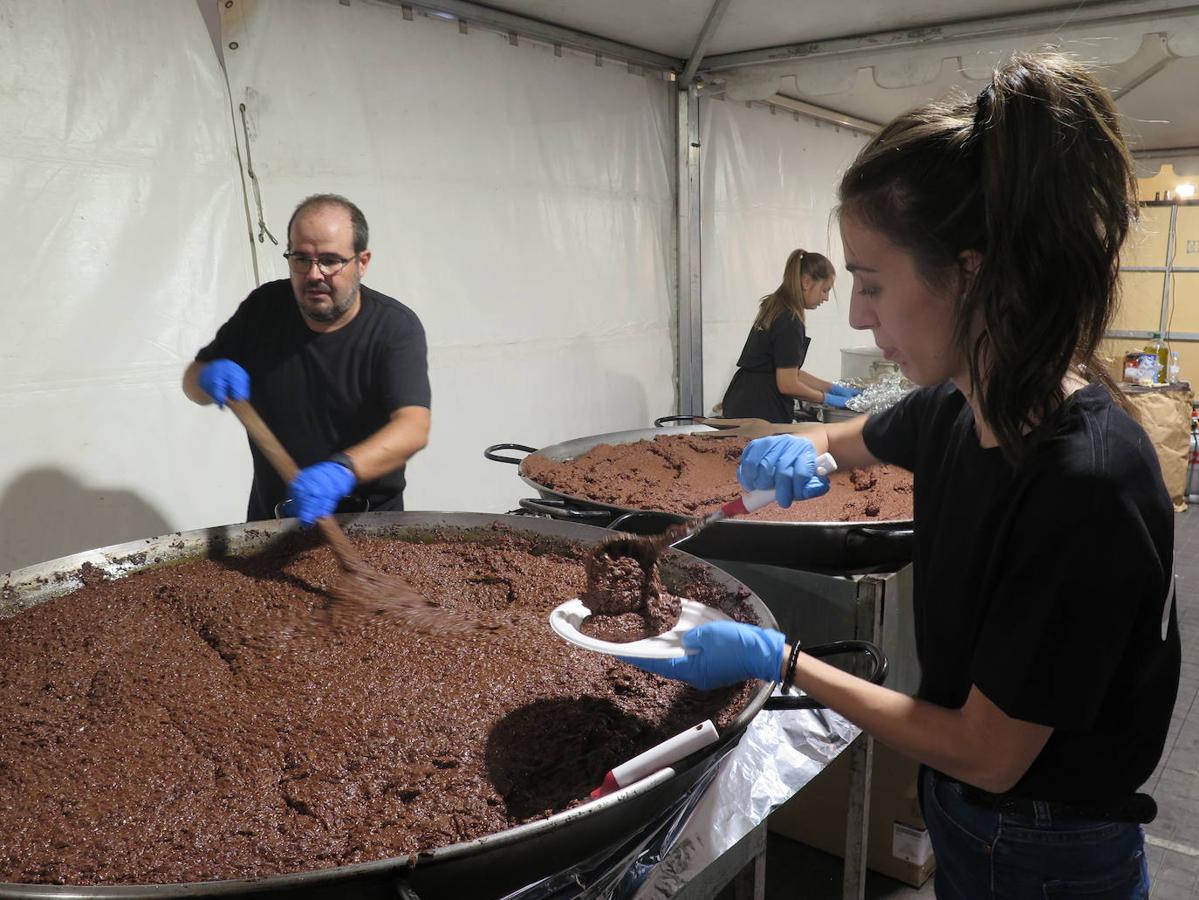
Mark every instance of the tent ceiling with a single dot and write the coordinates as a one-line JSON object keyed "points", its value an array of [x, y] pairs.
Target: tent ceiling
{"points": [[671, 26], [879, 57]]}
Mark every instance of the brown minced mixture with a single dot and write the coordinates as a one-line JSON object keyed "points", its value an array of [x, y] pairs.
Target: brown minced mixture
{"points": [[206, 721], [693, 476], [626, 597]]}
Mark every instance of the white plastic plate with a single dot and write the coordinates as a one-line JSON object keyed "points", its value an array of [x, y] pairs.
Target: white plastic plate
{"points": [[567, 618]]}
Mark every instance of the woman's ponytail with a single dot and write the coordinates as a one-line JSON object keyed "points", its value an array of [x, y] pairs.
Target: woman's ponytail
{"points": [[1058, 196], [1033, 175]]}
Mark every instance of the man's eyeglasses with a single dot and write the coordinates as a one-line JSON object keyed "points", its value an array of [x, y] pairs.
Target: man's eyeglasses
{"points": [[328, 263]]}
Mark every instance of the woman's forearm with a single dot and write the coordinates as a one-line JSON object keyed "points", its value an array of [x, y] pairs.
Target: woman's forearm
{"points": [[977, 743]]}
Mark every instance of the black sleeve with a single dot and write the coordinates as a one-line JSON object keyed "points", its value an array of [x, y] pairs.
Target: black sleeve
{"points": [[1081, 569], [787, 340], [230, 337], [893, 435], [403, 370]]}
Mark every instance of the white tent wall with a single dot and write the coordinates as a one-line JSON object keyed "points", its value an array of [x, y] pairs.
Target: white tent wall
{"points": [[520, 202], [769, 183], [125, 240]]}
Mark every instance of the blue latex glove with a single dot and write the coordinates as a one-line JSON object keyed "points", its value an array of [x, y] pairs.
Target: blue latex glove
{"points": [[831, 399], [319, 488], [784, 462], [729, 652], [223, 379], [841, 390]]}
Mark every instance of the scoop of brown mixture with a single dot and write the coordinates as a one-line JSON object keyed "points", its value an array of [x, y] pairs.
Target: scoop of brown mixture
{"points": [[626, 597]]}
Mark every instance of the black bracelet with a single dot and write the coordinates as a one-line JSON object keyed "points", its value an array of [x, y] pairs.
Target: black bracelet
{"points": [[343, 459], [789, 672]]}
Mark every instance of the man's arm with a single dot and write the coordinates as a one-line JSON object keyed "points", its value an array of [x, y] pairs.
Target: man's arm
{"points": [[392, 445], [191, 383]]}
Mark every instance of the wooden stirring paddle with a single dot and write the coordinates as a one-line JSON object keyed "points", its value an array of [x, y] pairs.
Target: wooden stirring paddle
{"points": [[361, 588]]}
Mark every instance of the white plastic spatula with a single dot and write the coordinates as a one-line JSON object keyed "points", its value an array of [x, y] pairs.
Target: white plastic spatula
{"points": [[754, 500], [569, 616]]}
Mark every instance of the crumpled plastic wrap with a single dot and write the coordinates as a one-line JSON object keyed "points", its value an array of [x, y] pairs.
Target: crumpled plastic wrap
{"points": [[780, 752], [877, 393]]}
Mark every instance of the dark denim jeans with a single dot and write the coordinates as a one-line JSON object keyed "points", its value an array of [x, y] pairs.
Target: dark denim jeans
{"points": [[983, 854]]}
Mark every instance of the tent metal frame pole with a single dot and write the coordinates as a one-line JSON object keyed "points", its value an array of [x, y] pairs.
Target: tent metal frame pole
{"points": [[690, 350], [715, 14], [825, 114], [1076, 15], [1166, 153], [485, 16]]}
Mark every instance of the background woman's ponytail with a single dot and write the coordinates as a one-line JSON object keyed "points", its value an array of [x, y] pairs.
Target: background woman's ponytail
{"points": [[1033, 174]]}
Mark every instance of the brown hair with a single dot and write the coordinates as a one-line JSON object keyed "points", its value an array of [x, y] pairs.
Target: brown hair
{"points": [[357, 219], [789, 294], [1035, 176]]}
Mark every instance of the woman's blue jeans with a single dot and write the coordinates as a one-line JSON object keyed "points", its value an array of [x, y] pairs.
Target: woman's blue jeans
{"points": [[984, 854]]}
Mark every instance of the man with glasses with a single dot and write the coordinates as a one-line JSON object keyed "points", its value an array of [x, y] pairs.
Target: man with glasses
{"points": [[337, 370]]}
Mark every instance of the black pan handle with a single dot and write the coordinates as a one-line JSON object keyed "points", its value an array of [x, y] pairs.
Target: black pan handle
{"points": [[662, 420], [834, 648], [490, 453], [558, 509]]}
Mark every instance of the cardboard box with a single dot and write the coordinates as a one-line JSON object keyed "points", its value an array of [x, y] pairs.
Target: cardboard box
{"points": [[897, 842]]}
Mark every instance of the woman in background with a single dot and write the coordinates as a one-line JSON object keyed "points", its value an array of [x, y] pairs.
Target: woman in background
{"points": [[770, 371]]}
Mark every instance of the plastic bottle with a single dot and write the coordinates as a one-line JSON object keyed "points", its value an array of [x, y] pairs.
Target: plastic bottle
{"points": [[1162, 354], [1175, 368]]}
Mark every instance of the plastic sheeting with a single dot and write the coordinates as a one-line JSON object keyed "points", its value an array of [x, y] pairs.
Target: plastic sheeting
{"points": [[520, 202], [1107, 44], [779, 753], [125, 240], [769, 182]]}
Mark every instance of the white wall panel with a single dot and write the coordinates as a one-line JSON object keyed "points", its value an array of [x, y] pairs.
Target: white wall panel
{"points": [[125, 244], [769, 185], [520, 202]]}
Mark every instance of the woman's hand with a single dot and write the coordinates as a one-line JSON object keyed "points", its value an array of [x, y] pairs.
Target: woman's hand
{"points": [[843, 390], [726, 653], [785, 463]]}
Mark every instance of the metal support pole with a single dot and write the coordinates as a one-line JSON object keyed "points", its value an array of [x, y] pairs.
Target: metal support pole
{"points": [[715, 14], [868, 626], [689, 362]]}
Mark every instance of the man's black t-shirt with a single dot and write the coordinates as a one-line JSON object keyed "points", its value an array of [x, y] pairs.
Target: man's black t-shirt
{"points": [[323, 392], [754, 392], [1048, 586]]}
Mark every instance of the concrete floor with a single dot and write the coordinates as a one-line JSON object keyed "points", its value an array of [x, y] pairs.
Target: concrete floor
{"points": [[795, 871]]}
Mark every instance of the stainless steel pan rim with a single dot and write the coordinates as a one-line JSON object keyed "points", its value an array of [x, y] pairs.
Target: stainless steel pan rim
{"points": [[568, 450]]}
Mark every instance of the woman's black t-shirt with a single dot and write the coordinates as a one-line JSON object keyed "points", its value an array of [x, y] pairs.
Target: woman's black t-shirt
{"points": [[754, 391], [1050, 587]]}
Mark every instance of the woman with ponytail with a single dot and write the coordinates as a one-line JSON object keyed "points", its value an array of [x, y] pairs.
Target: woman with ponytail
{"points": [[770, 371], [983, 237]]}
